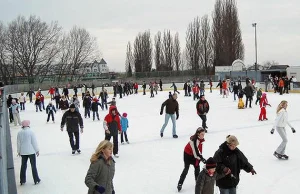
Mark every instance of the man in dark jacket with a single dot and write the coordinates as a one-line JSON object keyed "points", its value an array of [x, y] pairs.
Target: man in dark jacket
{"points": [[103, 95], [202, 107], [112, 127], [249, 91], [73, 120], [230, 160], [172, 107]]}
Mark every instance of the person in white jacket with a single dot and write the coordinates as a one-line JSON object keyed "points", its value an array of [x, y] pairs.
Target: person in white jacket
{"points": [[27, 148], [15, 108], [280, 122]]}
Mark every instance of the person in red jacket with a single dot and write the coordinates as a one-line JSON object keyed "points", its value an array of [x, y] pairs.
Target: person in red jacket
{"points": [[196, 91], [51, 92], [263, 103], [112, 127], [192, 155]]}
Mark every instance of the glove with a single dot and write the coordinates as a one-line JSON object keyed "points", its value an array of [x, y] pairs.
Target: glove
{"points": [[272, 131], [81, 130], [161, 112], [202, 159], [113, 192], [293, 130], [226, 170], [253, 172], [100, 189], [177, 116]]}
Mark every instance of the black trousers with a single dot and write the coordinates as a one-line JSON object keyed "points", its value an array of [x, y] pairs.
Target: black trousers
{"points": [[115, 142], [189, 160], [125, 134], [74, 146], [248, 98], [32, 159], [22, 104], [204, 119], [95, 113], [52, 116], [11, 117], [103, 103]]}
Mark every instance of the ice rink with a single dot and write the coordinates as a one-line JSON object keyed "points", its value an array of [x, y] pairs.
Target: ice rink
{"points": [[151, 164]]}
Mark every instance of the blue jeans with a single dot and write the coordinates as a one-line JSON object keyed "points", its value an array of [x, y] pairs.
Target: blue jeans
{"points": [[167, 117], [228, 191]]}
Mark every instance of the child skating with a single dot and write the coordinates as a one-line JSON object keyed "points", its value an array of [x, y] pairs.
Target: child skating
{"points": [[50, 110], [124, 125]]}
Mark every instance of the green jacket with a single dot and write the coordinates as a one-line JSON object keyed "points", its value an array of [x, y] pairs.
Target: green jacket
{"points": [[205, 184], [258, 93], [100, 173]]}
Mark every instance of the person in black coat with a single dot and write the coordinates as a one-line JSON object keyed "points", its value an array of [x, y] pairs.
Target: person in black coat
{"points": [[144, 88], [249, 91], [73, 120], [87, 102], [9, 102], [103, 95], [50, 109], [230, 160], [235, 90], [95, 105], [29, 93], [202, 107]]}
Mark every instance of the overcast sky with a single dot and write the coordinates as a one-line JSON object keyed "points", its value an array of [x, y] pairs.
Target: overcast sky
{"points": [[115, 22]]}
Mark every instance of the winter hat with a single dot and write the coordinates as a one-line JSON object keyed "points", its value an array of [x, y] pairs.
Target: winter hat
{"points": [[264, 95], [72, 106], [124, 114], [25, 123], [231, 139], [210, 163]]}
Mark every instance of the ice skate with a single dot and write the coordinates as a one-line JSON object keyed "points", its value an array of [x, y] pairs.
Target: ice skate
{"points": [[179, 187]]}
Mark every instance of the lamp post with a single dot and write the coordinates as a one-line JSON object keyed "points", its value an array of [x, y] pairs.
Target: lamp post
{"points": [[254, 25]]}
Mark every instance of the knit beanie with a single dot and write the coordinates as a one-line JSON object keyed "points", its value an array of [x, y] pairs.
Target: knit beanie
{"points": [[231, 139], [25, 123], [210, 163]]}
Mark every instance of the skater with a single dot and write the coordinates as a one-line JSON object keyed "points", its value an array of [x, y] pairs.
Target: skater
{"points": [[9, 103], [202, 87], [76, 102], [87, 102], [230, 160], [38, 104], [241, 104], [22, 101], [29, 93], [225, 89], [72, 119], [15, 109], [202, 107], [27, 148], [113, 102], [170, 95], [95, 105], [124, 125], [196, 91], [220, 84], [160, 85], [63, 104], [192, 155], [235, 90], [210, 85], [263, 103], [50, 109], [258, 96], [205, 183], [103, 95], [249, 94], [175, 88], [51, 91], [101, 181], [172, 107], [112, 127], [280, 123], [144, 88], [151, 87]]}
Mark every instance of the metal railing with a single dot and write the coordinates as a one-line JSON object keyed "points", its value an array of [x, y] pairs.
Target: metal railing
{"points": [[7, 174]]}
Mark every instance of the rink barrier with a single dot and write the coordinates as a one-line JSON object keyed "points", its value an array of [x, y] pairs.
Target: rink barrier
{"points": [[7, 174]]}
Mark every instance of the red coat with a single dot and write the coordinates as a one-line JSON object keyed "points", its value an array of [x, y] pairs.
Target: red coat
{"points": [[112, 122], [190, 149], [263, 102], [195, 89], [51, 91]]}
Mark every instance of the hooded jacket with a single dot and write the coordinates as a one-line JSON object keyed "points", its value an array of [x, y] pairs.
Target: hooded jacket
{"points": [[235, 160], [112, 122], [26, 142]]}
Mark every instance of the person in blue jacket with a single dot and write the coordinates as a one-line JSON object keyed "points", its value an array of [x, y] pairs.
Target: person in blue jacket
{"points": [[124, 125]]}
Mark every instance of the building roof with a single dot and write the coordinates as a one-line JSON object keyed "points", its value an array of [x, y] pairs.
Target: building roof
{"points": [[279, 67], [103, 62]]}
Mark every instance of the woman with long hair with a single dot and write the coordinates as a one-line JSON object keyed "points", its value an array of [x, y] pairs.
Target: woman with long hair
{"points": [[192, 155], [280, 122], [99, 178]]}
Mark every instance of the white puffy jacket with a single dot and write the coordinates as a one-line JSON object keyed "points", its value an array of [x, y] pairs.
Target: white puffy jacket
{"points": [[282, 119], [26, 142]]}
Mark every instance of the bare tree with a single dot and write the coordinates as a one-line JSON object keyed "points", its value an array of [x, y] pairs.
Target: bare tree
{"points": [[268, 64], [129, 60], [78, 49], [32, 45], [177, 52], [143, 52], [167, 51], [158, 51], [193, 44], [227, 38], [206, 52], [4, 63]]}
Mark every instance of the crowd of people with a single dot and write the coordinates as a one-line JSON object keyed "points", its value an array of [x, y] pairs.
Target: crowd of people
{"points": [[222, 169]]}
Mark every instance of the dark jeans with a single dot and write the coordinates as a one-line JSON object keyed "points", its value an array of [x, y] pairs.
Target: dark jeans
{"points": [[257, 100], [228, 191], [71, 137], [38, 106], [22, 104], [11, 117], [248, 98], [95, 113], [30, 98], [35, 175], [87, 112], [115, 142], [189, 160], [103, 103], [204, 119], [52, 116], [125, 134]]}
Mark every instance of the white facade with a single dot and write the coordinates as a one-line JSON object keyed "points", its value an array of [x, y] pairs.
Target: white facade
{"points": [[237, 65], [293, 71], [97, 67]]}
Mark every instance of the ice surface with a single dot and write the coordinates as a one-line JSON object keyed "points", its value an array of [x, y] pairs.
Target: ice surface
{"points": [[150, 164]]}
